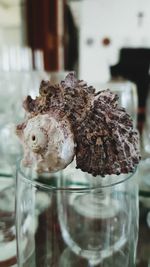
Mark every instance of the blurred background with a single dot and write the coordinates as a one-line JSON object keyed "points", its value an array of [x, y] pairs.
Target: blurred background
{"points": [[103, 41], [106, 42]]}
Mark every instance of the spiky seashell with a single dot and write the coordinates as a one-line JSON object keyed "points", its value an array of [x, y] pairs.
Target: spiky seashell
{"points": [[78, 98], [70, 119], [106, 141]]}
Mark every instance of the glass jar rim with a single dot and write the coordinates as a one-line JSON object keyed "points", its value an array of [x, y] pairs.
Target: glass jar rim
{"points": [[77, 186]]}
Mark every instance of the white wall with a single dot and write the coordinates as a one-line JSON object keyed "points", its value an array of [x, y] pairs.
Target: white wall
{"points": [[118, 20], [10, 22]]}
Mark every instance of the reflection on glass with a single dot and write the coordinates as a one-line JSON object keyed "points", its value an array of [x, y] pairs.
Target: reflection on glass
{"points": [[7, 222]]}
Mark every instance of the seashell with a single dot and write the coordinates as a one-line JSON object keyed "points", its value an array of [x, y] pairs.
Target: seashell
{"points": [[69, 119], [36, 136], [106, 141], [48, 143]]}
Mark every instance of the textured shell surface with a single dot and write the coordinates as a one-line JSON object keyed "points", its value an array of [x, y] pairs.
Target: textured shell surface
{"points": [[36, 133], [47, 146], [70, 119]]}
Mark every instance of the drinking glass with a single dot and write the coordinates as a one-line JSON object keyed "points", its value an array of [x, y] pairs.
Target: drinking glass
{"points": [[144, 167], [143, 175], [145, 138], [71, 218]]}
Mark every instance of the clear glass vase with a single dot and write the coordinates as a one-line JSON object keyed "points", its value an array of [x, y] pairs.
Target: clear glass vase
{"points": [[72, 219]]}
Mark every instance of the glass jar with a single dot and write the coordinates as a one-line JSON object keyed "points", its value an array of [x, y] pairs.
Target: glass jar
{"points": [[71, 218]]}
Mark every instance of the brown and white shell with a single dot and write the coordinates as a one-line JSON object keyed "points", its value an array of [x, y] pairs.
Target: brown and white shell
{"points": [[88, 125]]}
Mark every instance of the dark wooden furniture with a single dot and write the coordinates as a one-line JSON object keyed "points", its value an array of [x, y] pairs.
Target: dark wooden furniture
{"points": [[45, 29]]}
